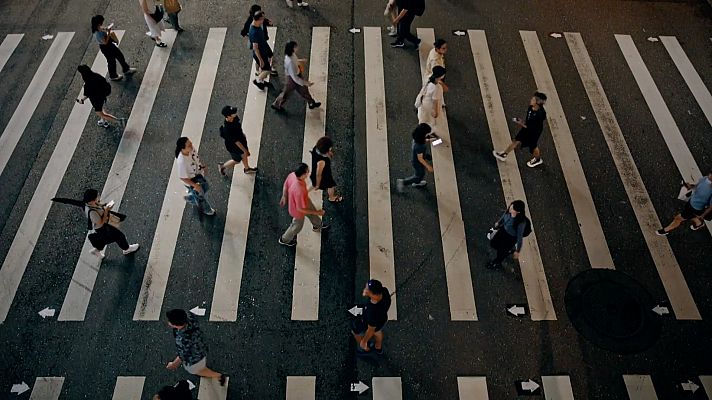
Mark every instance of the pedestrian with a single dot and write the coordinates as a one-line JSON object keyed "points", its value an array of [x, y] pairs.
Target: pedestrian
{"points": [[429, 101], [321, 175], [530, 131], [172, 8], [97, 89], [419, 159], [391, 12], [192, 352], [192, 172], [373, 318], [235, 142], [108, 45], [295, 195], [290, 3], [508, 233], [248, 22], [407, 11], [154, 21], [100, 220], [293, 67], [181, 391], [261, 52], [698, 207]]}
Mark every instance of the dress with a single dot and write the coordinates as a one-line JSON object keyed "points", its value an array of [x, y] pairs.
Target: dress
{"points": [[433, 92], [327, 179], [154, 28]]}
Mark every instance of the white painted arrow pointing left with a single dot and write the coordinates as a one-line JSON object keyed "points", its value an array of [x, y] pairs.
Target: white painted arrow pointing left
{"points": [[47, 312], [198, 311]]}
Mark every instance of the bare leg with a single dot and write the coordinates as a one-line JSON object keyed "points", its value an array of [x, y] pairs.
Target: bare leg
{"points": [[332, 192], [245, 162], [106, 116], [536, 153], [512, 146], [229, 164], [378, 336], [209, 373], [674, 224]]}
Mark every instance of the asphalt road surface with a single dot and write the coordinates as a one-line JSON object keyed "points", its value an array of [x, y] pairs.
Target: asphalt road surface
{"points": [[630, 114]]}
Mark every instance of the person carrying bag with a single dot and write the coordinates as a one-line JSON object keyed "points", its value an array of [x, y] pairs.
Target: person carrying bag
{"points": [[104, 225]]}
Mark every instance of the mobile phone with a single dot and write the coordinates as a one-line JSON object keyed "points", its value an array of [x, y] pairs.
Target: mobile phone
{"points": [[437, 142], [515, 119], [110, 204], [111, 25]]}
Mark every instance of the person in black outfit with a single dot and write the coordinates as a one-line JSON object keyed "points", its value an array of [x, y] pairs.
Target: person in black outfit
{"points": [[97, 89], [321, 175], [109, 49], [407, 11], [235, 142], [531, 130], [99, 218], [373, 318], [181, 391]]}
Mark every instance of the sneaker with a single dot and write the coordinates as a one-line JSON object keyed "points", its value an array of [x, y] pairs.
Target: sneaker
{"points": [[104, 124], [117, 78], [221, 169], [273, 72], [303, 4], [662, 232], [209, 212], [130, 71], [323, 227], [417, 45], [697, 227], [250, 170], [499, 156], [390, 29], [290, 4], [393, 33], [314, 105], [289, 244], [222, 379], [398, 44], [131, 249], [534, 162], [161, 44], [122, 122], [275, 108], [260, 85], [399, 185], [99, 253], [379, 351], [419, 184]]}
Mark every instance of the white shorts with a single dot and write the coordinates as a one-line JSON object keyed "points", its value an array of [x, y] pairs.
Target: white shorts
{"points": [[197, 367]]}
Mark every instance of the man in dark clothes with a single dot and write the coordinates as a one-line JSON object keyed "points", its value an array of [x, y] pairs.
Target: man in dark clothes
{"points": [[235, 142], [261, 51], [531, 130], [373, 318], [407, 11]]}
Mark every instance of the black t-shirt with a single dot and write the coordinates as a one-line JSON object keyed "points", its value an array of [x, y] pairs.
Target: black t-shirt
{"points": [[232, 132], [377, 314], [535, 119]]}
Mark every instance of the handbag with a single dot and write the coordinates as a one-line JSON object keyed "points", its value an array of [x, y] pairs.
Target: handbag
{"points": [[113, 38], [491, 232], [158, 14], [419, 97], [172, 6]]}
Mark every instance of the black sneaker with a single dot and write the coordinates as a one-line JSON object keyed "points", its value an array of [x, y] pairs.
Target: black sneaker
{"points": [[289, 244], [662, 232], [260, 85], [223, 379], [379, 351], [314, 105], [398, 45]]}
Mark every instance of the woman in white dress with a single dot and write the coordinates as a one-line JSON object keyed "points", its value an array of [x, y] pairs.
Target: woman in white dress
{"points": [[437, 57], [154, 28], [431, 99]]}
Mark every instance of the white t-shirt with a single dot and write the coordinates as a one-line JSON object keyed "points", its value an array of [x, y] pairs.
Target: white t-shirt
{"points": [[433, 92], [188, 166], [434, 59]]}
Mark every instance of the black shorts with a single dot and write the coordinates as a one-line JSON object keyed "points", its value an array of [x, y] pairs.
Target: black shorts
{"points": [[98, 103], [689, 212], [358, 327], [528, 139], [237, 157]]}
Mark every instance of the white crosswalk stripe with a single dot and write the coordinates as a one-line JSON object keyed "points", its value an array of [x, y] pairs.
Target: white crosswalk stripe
{"points": [[387, 388], [8, 46], [472, 388], [23, 244], [85, 273], [640, 387], [237, 217], [47, 388], [557, 387], [31, 99], [301, 387], [535, 283], [210, 389], [707, 384], [155, 278], [128, 388]]}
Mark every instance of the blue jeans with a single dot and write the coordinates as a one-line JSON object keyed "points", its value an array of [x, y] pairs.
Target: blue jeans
{"points": [[200, 199], [418, 174]]}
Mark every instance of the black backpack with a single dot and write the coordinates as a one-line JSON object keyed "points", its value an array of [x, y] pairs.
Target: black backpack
{"points": [[418, 7]]}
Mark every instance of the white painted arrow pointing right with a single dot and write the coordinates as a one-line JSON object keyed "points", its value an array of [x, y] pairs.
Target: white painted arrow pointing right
{"points": [[359, 387], [530, 385], [19, 388], [690, 386]]}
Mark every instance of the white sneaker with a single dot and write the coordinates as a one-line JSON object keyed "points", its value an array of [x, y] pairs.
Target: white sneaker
{"points": [[393, 33], [209, 212], [534, 162], [98, 253], [131, 249], [499, 156], [419, 184], [303, 4]]}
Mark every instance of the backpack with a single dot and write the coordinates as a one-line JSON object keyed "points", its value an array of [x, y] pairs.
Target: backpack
{"points": [[527, 227], [418, 7]]}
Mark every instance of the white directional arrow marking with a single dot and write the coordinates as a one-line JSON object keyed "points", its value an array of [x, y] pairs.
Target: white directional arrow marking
{"points": [[530, 385], [47, 312], [690, 386], [354, 30], [359, 387], [48, 37], [653, 39], [660, 310], [516, 310], [459, 33], [555, 35], [356, 310], [19, 388], [198, 311], [191, 385]]}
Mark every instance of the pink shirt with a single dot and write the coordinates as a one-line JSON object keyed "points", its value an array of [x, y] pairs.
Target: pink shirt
{"points": [[296, 195]]}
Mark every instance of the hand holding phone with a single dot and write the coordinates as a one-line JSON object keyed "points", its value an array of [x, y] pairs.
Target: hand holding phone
{"points": [[110, 204], [437, 142], [111, 25]]}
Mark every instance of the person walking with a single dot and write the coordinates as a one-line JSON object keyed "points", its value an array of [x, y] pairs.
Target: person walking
{"points": [[436, 58], [235, 142], [248, 22], [261, 52], [295, 195], [290, 3], [154, 21], [508, 233], [530, 131], [181, 391], [373, 318], [698, 207], [419, 159], [97, 89], [172, 8], [321, 175], [108, 46], [192, 352], [407, 11], [430, 99], [391, 12], [100, 220], [293, 67], [192, 172]]}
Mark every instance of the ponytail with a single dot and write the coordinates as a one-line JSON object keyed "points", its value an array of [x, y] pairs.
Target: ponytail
{"points": [[180, 144]]}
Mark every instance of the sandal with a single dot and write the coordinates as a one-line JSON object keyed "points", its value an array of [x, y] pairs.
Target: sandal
{"points": [[221, 169], [697, 227], [337, 199], [249, 170]]}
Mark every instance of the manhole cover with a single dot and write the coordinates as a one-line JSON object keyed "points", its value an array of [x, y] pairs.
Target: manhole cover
{"points": [[612, 311]]}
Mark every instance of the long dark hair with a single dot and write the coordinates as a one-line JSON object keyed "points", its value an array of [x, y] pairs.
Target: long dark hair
{"points": [[420, 132], [95, 22], [289, 48], [438, 72], [520, 208], [180, 144]]}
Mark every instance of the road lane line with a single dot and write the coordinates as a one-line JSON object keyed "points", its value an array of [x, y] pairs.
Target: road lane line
{"points": [[47, 388], [25, 240], [387, 388], [307, 259], [158, 267], [640, 387], [128, 388], [226, 294], [301, 387], [210, 388], [688, 72], [380, 224], [458, 275], [32, 97], [80, 289], [591, 231], [557, 387], [472, 388], [541, 308], [660, 250], [8, 46], [684, 160], [707, 384]]}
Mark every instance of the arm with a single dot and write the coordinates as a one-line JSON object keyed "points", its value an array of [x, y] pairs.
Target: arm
{"points": [[367, 336], [285, 195], [319, 169], [172, 365], [293, 72], [400, 16], [192, 184], [425, 163], [520, 239], [311, 212], [243, 148]]}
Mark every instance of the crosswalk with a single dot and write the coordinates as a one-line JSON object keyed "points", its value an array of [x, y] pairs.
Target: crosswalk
{"points": [[459, 272]]}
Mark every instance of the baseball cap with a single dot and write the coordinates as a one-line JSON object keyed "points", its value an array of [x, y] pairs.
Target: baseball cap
{"points": [[228, 111], [375, 286]]}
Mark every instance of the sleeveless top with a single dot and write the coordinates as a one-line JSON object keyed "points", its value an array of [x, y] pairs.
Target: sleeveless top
{"points": [[327, 180]]}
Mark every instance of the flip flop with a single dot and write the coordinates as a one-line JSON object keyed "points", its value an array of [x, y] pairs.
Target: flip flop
{"points": [[338, 199]]}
